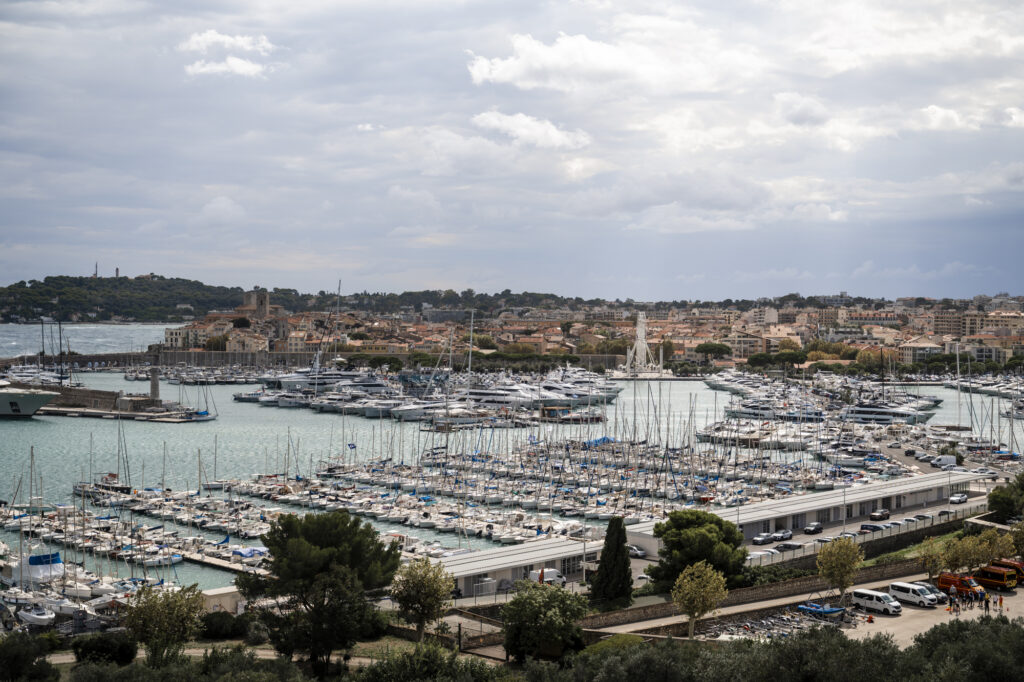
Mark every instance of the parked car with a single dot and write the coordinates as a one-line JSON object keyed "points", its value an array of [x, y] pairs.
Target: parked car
{"points": [[762, 539], [788, 546], [894, 522], [940, 596], [814, 527], [783, 534], [848, 534], [910, 452], [945, 512], [894, 444], [958, 498], [870, 600], [551, 576], [871, 527], [636, 552], [923, 517], [825, 539], [879, 515], [912, 594]]}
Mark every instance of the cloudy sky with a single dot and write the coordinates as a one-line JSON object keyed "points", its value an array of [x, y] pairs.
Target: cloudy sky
{"points": [[653, 150]]}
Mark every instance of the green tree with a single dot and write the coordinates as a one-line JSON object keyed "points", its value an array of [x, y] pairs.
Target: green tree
{"points": [[541, 620], [422, 590], [837, 563], [613, 581], [698, 591], [788, 344], [566, 327], [241, 323], [163, 620], [690, 536], [710, 350], [22, 658], [484, 342], [929, 554], [320, 566], [1007, 500], [956, 555], [993, 545], [216, 342], [1017, 535]]}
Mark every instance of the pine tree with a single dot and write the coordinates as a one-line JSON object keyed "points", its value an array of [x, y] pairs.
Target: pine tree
{"points": [[613, 581]]}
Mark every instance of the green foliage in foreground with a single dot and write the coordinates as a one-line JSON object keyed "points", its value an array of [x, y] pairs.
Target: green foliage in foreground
{"points": [[960, 651], [955, 651], [431, 662]]}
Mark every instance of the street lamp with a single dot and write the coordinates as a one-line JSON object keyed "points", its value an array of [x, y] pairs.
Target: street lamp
{"points": [[844, 509]]}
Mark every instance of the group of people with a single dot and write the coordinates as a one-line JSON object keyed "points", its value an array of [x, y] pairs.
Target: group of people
{"points": [[969, 599]]}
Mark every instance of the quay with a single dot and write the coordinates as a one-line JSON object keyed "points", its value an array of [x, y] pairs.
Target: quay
{"points": [[179, 417], [220, 564]]}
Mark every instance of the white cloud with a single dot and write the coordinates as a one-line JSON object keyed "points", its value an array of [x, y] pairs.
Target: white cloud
{"points": [[1013, 117], [221, 211], [799, 109], [933, 117], [818, 213], [413, 196], [231, 65], [531, 131], [202, 42], [659, 55]]}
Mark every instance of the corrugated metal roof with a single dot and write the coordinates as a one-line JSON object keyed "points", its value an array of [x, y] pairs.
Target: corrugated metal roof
{"points": [[811, 502], [499, 558]]}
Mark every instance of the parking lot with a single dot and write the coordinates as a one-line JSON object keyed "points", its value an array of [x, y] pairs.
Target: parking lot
{"points": [[916, 619]]}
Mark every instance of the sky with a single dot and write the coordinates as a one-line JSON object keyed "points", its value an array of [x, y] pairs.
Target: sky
{"points": [[645, 150]]}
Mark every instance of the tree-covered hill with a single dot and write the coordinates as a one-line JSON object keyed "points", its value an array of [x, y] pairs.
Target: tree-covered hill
{"points": [[148, 299], [155, 298]]}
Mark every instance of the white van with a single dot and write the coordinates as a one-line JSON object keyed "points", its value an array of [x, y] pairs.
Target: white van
{"points": [[912, 594], [869, 600], [552, 576]]}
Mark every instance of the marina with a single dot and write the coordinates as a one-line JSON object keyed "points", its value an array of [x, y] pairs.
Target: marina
{"points": [[447, 463]]}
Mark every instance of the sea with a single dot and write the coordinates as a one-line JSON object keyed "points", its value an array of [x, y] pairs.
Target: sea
{"points": [[83, 338], [248, 439]]}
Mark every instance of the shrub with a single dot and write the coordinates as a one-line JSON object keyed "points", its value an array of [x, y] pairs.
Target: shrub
{"points": [[257, 633], [20, 657], [106, 647], [223, 625], [615, 643], [375, 625]]}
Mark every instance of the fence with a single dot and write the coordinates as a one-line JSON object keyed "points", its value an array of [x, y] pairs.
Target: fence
{"points": [[808, 549]]}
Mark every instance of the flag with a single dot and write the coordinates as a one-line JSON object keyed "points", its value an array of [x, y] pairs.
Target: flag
{"points": [[351, 446]]}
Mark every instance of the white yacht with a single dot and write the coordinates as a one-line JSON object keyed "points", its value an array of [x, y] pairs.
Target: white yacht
{"points": [[882, 413], [22, 402]]}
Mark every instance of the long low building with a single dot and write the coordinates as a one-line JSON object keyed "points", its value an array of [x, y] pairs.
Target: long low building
{"points": [[488, 571], [854, 503]]}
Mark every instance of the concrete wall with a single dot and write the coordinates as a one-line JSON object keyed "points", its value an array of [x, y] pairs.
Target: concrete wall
{"points": [[224, 599]]}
